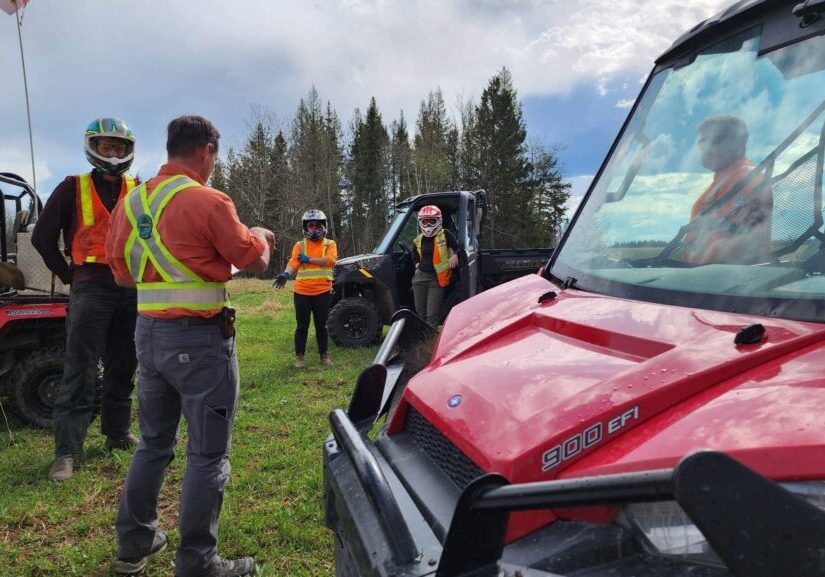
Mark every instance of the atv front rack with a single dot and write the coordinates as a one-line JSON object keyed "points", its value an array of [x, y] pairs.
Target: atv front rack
{"points": [[758, 528]]}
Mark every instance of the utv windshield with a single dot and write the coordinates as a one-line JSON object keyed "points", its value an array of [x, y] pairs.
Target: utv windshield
{"points": [[712, 198], [385, 244]]}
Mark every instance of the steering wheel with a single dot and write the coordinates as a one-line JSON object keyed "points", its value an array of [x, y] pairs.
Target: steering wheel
{"points": [[404, 248]]}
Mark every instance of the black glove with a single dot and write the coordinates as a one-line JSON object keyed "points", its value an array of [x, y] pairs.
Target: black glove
{"points": [[280, 280]]}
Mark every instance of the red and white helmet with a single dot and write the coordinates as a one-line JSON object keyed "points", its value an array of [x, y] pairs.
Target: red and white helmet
{"points": [[429, 220]]}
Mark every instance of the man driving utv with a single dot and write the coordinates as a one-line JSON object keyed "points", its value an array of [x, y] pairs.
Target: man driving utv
{"points": [[101, 317]]}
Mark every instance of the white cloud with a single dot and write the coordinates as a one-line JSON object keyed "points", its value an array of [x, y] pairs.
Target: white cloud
{"points": [[149, 61], [625, 103], [579, 184], [18, 161]]}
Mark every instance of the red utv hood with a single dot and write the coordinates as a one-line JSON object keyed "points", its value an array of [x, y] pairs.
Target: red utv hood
{"points": [[587, 384]]}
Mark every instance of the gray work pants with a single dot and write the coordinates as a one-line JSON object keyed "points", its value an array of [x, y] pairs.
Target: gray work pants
{"points": [[190, 369], [428, 296]]}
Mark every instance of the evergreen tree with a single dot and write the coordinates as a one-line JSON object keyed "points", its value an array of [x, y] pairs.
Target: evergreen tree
{"points": [[368, 169], [467, 152], [499, 163], [431, 147], [400, 161], [549, 195], [315, 158]]}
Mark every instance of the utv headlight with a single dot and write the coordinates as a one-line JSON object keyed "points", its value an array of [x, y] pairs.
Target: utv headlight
{"points": [[669, 532], [369, 264]]}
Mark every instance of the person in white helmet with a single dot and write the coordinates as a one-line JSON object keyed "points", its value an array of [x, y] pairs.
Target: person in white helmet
{"points": [[311, 264], [435, 258]]}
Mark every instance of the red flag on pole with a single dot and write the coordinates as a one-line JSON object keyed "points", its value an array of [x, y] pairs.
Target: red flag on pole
{"points": [[10, 6]]}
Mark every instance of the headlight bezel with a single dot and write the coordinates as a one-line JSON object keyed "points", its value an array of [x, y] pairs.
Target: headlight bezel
{"points": [[658, 541]]}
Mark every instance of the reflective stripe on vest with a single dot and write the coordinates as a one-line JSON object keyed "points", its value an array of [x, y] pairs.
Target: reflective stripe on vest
{"points": [[180, 288], [441, 257], [318, 270], [89, 238]]}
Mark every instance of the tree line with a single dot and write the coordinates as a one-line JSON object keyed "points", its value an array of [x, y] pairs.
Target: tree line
{"points": [[357, 176]]}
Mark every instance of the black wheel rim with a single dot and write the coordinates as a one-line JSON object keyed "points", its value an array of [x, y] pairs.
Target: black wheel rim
{"points": [[40, 397], [356, 326], [47, 389]]}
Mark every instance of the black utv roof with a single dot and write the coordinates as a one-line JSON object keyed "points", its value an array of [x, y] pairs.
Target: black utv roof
{"points": [[434, 195], [785, 26]]}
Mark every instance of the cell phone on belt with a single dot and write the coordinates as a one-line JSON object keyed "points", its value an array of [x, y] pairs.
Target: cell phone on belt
{"points": [[228, 325]]}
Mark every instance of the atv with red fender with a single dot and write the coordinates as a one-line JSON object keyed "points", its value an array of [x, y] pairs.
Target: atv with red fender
{"points": [[652, 403], [32, 311]]}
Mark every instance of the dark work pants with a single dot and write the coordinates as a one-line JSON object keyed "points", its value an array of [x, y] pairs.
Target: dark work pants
{"points": [[428, 296], [193, 370], [100, 325], [318, 306]]}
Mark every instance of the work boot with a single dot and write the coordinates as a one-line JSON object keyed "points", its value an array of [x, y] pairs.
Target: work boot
{"points": [[299, 361], [325, 360], [132, 565], [125, 442], [221, 567], [62, 468]]}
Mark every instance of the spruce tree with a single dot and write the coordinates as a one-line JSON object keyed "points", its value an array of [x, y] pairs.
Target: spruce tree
{"points": [[368, 169], [400, 161], [431, 147], [315, 160], [500, 164]]}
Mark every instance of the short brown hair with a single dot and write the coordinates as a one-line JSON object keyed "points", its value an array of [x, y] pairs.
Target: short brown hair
{"points": [[187, 133], [727, 125]]}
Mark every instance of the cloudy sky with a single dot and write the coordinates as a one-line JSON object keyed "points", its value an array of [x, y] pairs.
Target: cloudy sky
{"points": [[576, 64]]}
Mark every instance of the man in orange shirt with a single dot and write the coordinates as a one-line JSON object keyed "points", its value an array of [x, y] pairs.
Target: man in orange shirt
{"points": [[312, 262], [737, 229], [176, 240]]}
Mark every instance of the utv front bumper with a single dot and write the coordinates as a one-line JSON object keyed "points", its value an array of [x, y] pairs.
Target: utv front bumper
{"points": [[393, 517]]}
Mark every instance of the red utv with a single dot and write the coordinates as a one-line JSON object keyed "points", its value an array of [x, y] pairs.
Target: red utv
{"points": [[32, 310], [653, 403]]}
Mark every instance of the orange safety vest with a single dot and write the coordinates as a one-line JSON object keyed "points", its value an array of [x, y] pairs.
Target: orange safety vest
{"points": [[441, 257], [313, 279], [89, 239]]}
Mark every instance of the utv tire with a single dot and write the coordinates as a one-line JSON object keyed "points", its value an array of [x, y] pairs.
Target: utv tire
{"points": [[354, 322], [35, 381]]}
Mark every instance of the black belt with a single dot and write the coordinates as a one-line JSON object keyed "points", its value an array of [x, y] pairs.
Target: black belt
{"points": [[213, 320], [192, 321]]}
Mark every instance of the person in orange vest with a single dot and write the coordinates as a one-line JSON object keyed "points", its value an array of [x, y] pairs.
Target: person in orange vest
{"points": [[311, 265], [101, 320], [435, 258], [727, 226]]}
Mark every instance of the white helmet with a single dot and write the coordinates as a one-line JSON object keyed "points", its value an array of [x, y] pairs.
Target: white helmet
{"points": [[316, 215], [431, 215]]}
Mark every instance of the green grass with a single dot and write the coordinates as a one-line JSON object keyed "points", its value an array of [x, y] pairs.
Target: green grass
{"points": [[272, 508]]}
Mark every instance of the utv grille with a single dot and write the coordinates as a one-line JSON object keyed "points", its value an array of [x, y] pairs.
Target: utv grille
{"points": [[455, 464]]}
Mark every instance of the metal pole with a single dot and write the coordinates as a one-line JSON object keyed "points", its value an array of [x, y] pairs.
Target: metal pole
{"points": [[26, 90]]}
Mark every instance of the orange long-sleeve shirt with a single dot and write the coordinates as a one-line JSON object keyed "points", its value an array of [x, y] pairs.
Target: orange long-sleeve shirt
{"points": [[199, 226]]}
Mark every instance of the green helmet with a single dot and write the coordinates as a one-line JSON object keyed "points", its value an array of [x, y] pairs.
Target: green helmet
{"points": [[110, 128]]}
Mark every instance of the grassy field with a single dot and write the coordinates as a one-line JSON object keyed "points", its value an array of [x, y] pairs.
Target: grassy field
{"points": [[272, 508]]}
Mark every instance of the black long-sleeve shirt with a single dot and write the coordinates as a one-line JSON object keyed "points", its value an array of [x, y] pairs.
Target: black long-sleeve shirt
{"points": [[425, 259], [59, 216]]}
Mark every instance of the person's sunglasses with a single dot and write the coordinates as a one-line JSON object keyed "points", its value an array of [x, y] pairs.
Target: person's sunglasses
{"points": [[428, 221], [112, 147]]}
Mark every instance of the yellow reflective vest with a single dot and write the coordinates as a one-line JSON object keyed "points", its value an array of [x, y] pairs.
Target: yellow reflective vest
{"points": [[441, 257], [180, 287]]}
